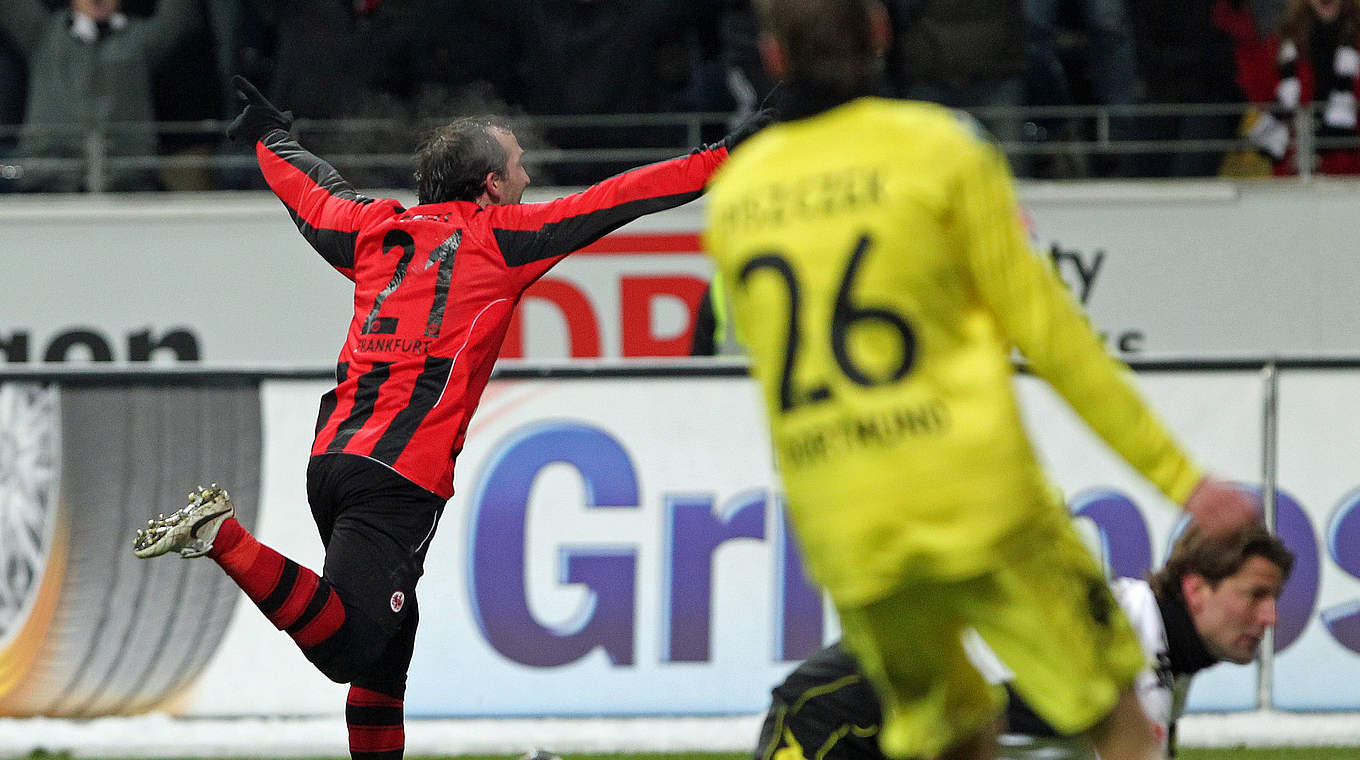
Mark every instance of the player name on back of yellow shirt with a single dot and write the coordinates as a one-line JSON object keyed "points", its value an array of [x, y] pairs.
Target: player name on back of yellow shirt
{"points": [[804, 198], [847, 435]]}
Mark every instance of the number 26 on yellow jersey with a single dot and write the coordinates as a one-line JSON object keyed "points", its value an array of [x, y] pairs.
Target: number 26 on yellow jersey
{"points": [[846, 316]]}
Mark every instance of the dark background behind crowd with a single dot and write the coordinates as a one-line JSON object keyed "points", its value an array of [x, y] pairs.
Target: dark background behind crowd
{"points": [[68, 67]]}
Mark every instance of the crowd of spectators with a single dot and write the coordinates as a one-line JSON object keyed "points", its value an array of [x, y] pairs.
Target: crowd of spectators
{"points": [[69, 68]]}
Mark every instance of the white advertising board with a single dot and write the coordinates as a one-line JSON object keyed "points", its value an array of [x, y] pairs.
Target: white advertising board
{"points": [[1318, 452], [1166, 269], [615, 547]]}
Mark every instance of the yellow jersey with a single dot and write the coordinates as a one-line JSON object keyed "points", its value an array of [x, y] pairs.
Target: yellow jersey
{"points": [[879, 274]]}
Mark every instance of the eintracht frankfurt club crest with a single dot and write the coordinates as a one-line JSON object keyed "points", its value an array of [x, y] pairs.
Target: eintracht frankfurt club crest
{"points": [[398, 601]]}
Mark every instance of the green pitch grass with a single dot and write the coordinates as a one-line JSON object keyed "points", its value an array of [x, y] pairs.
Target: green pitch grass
{"points": [[1282, 753], [1264, 753], [1189, 753]]}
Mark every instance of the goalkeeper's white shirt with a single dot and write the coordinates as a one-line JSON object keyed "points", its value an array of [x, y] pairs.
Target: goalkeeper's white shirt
{"points": [[1161, 691]]}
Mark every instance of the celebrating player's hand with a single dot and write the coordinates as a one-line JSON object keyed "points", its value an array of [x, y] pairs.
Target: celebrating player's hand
{"points": [[1219, 507], [258, 118], [749, 126]]}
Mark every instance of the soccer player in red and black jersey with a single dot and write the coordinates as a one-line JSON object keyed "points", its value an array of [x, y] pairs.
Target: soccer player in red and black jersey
{"points": [[434, 290]]}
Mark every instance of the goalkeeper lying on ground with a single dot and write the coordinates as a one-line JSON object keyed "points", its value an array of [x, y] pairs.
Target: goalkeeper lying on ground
{"points": [[1210, 602]]}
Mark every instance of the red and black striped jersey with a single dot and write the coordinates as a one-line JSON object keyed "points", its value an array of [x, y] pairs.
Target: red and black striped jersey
{"points": [[434, 289]]}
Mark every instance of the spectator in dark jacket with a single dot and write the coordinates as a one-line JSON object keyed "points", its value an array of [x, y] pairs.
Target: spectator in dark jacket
{"points": [[1109, 62], [966, 55], [578, 57], [12, 76], [1185, 56], [90, 70]]}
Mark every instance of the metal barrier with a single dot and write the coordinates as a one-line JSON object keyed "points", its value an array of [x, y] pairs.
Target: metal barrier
{"points": [[352, 145], [367, 144]]}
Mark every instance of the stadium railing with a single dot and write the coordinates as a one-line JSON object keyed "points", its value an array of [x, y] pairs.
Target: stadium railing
{"points": [[385, 145]]}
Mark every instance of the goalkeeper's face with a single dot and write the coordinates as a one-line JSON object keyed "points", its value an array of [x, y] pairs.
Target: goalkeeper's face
{"points": [[1231, 617]]}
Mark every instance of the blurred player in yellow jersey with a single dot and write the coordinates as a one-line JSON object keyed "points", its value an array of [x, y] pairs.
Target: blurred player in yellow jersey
{"points": [[879, 275]]}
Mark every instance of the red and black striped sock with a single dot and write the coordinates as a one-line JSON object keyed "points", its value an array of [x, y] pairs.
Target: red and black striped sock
{"points": [[295, 599], [375, 725]]}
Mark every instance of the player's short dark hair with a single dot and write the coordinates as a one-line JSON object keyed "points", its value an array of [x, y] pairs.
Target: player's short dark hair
{"points": [[1197, 553], [453, 161], [829, 43]]}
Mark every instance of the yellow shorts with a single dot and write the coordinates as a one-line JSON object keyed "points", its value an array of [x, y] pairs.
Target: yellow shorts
{"points": [[1046, 612]]}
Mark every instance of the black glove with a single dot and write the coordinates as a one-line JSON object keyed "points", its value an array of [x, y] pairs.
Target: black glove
{"points": [[749, 126], [258, 118]]}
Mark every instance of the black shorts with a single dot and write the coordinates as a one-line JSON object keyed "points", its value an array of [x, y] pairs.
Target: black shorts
{"points": [[825, 707], [376, 526]]}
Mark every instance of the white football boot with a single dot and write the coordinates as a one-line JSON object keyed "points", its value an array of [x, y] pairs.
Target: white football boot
{"points": [[189, 531]]}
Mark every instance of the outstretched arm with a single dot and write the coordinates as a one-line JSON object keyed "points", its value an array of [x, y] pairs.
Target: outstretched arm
{"points": [[325, 207], [533, 233], [1038, 313], [536, 236]]}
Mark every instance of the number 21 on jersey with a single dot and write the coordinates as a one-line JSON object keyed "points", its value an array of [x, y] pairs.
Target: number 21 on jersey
{"points": [[442, 254]]}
